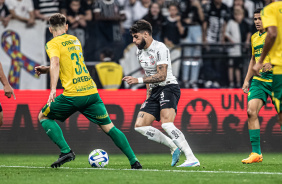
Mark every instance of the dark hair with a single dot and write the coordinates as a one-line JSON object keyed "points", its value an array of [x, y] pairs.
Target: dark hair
{"points": [[57, 20], [108, 53], [140, 26], [257, 10], [173, 4], [75, 1]]}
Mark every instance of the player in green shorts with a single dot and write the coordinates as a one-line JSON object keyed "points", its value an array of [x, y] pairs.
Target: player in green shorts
{"points": [[271, 17], [80, 93], [260, 89]]}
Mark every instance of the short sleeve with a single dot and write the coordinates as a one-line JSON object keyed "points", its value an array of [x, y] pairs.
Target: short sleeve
{"points": [[163, 55], [11, 4], [268, 16], [52, 49], [30, 6]]}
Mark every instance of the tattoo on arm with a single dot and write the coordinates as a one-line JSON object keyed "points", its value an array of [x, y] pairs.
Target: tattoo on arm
{"points": [[158, 77]]}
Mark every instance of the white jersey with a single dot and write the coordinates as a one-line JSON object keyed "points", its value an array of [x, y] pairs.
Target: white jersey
{"points": [[156, 54]]}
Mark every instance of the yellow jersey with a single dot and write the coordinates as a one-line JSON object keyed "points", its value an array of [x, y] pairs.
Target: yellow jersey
{"points": [[74, 75], [257, 42], [271, 15]]}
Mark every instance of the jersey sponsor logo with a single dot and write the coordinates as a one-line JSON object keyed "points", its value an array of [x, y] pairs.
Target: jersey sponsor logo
{"points": [[81, 79], [158, 56], [85, 88], [70, 42], [73, 48]]}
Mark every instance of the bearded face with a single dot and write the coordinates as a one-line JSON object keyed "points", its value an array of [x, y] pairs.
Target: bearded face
{"points": [[142, 44]]}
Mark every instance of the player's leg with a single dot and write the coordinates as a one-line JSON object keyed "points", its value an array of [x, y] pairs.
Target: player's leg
{"points": [[60, 110], [150, 111], [167, 119], [1, 116], [277, 91], [96, 112], [254, 107], [168, 104], [257, 97], [143, 126]]}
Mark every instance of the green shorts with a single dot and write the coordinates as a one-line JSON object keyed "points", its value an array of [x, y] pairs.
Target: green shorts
{"points": [[92, 107], [277, 92], [260, 90]]}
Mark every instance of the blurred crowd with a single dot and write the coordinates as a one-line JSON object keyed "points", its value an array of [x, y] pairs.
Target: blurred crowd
{"points": [[206, 27]]}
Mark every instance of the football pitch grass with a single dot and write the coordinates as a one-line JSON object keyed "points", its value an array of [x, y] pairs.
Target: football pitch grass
{"points": [[215, 168]]}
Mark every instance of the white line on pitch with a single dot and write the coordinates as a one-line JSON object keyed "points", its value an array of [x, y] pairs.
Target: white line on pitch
{"points": [[148, 170]]}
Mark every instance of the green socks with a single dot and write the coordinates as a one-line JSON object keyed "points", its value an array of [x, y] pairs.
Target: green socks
{"points": [[120, 140], [55, 133], [255, 140]]}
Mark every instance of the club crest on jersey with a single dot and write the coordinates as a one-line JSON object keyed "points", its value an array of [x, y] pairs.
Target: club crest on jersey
{"points": [[152, 61]]}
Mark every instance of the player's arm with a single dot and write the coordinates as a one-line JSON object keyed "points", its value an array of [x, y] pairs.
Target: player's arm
{"points": [[269, 41], [54, 76], [9, 91], [249, 75], [42, 70], [15, 16], [160, 76]]}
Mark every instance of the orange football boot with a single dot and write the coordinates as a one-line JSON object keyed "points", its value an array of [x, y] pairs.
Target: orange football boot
{"points": [[253, 158]]}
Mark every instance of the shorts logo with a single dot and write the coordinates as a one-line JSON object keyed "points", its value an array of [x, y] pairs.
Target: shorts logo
{"points": [[143, 105], [102, 116], [162, 96]]}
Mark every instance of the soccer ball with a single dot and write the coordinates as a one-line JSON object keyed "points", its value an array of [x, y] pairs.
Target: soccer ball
{"points": [[98, 158]]}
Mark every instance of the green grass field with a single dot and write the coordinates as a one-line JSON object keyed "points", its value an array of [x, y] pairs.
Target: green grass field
{"points": [[215, 168]]}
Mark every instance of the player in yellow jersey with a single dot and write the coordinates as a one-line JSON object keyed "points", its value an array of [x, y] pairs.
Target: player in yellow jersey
{"points": [[259, 91], [271, 17], [80, 93]]}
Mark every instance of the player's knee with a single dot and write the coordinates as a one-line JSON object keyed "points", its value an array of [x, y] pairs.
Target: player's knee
{"points": [[251, 113], [138, 124], [40, 116], [280, 119], [1, 122]]}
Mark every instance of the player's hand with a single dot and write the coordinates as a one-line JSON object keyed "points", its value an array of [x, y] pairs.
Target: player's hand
{"points": [[130, 80], [9, 91], [245, 87], [257, 67], [52, 97], [41, 70], [266, 67]]}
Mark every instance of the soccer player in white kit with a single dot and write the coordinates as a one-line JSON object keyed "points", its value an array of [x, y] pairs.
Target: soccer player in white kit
{"points": [[163, 94]]}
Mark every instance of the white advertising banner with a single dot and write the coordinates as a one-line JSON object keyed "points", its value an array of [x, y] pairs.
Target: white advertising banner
{"points": [[22, 48]]}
